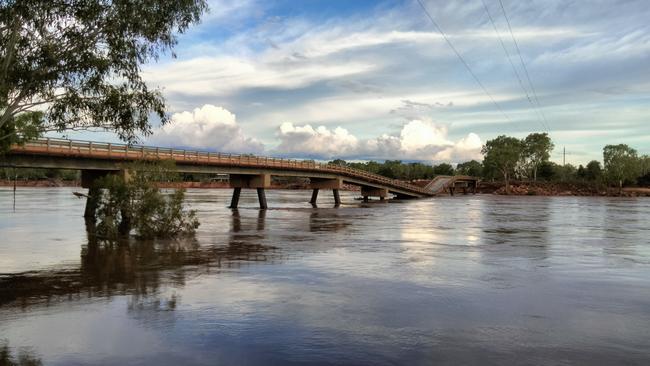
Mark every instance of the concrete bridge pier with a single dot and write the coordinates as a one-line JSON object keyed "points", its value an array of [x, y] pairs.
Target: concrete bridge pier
{"points": [[314, 196], [337, 197], [257, 181], [89, 180], [321, 183], [366, 192]]}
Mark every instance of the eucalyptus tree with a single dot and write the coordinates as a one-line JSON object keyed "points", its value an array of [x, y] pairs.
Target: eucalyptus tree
{"points": [[75, 64], [593, 171], [472, 168], [503, 154], [537, 150], [621, 163]]}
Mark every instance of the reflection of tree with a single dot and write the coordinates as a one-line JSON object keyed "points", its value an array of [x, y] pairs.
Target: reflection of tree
{"points": [[139, 268], [132, 267], [25, 357]]}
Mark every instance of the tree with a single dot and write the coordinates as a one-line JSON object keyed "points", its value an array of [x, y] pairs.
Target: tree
{"points": [[75, 64], [537, 150], [472, 168], [137, 203], [339, 162], [593, 171], [503, 154], [547, 171], [443, 169], [621, 163]]}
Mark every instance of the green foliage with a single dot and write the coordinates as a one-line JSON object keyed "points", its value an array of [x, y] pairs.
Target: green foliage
{"points": [[339, 162], [502, 154], [20, 129], [593, 171], [395, 169], [537, 149], [137, 204], [472, 168], [443, 169], [565, 172], [81, 60], [621, 163]]}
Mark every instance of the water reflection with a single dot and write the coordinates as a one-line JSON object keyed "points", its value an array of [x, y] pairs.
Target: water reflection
{"points": [[459, 280], [136, 267], [139, 267], [23, 357], [522, 228]]}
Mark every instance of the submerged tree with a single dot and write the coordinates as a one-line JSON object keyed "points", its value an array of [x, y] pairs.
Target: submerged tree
{"points": [[503, 154], [134, 202], [79, 61]]}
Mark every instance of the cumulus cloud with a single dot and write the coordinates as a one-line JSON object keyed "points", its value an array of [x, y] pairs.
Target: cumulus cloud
{"points": [[418, 140], [209, 127], [315, 142]]}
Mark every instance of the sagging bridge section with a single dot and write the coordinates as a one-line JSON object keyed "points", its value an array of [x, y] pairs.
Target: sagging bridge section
{"points": [[96, 159]]}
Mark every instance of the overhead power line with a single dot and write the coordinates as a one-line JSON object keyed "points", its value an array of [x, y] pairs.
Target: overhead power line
{"points": [[462, 60], [523, 65], [514, 68]]}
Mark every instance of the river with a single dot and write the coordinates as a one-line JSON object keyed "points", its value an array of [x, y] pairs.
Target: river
{"points": [[482, 280]]}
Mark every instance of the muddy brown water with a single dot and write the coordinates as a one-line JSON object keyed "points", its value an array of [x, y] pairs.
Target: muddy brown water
{"points": [[462, 280]]}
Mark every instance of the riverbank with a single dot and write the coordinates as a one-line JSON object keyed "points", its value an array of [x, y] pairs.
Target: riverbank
{"points": [[518, 188]]}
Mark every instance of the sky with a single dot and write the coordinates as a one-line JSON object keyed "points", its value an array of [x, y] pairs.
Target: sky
{"points": [[376, 80]]}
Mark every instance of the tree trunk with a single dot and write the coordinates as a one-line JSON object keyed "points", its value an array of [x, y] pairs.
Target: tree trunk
{"points": [[535, 174], [620, 187], [507, 179]]}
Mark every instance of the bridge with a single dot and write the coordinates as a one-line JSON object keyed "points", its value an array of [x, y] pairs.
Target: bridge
{"points": [[97, 159]]}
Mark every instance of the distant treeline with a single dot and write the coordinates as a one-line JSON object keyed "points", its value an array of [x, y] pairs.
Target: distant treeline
{"points": [[507, 158], [397, 169]]}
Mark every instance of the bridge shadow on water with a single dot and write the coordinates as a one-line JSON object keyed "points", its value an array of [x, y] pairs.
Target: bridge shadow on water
{"points": [[140, 268]]}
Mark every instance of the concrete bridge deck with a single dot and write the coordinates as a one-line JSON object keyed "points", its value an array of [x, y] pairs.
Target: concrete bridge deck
{"points": [[96, 159], [89, 156]]}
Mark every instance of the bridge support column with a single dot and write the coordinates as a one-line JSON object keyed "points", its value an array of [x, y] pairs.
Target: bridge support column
{"points": [[335, 184], [337, 197], [366, 192], [92, 202], [234, 202], [89, 180], [258, 181], [314, 196], [261, 196]]}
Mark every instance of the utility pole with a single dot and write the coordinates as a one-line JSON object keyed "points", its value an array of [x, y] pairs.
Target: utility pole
{"points": [[564, 156]]}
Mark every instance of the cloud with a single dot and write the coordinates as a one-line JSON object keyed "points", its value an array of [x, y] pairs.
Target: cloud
{"points": [[317, 142], [364, 69], [418, 140], [209, 127]]}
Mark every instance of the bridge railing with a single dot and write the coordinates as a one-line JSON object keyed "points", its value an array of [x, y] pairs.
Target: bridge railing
{"points": [[102, 150]]}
